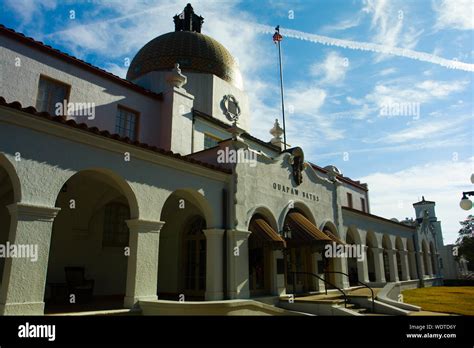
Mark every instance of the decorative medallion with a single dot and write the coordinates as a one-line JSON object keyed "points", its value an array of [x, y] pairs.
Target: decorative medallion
{"points": [[231, 107], [297, 164]]}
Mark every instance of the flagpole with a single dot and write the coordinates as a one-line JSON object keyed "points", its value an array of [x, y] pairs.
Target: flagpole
{"points": [[281, 84]]}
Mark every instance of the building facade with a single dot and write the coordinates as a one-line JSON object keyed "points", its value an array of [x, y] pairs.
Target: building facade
{"points": [[153, 187]]}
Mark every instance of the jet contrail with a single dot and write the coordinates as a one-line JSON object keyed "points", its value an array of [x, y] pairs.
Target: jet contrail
{"points": [[368, 46]]}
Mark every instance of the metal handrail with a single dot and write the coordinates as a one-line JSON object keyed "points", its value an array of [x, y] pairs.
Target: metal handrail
{"points": [[361, 283], [325, 282]]}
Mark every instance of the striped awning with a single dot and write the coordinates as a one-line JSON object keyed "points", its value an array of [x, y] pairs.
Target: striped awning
{"points": [[333, 237], [266, 233], [304, 231]]}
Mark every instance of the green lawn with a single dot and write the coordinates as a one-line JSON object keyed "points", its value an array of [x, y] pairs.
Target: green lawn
{"points": [[446, 299]]}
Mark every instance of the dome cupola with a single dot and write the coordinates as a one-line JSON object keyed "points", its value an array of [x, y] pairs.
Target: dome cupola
{"points": [[188, 47]]}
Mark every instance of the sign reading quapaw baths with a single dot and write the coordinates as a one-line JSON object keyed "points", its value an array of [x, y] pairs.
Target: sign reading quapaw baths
{"points": [[295, 192]]}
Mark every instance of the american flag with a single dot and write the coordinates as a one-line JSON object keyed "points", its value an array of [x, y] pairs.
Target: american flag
{"points": [[277, 36]]}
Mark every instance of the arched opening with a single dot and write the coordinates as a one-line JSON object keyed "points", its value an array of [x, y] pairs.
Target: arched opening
{"points": [[7, 197], [352, 264], [433, 258], [412, 259], [260, 256], [298, 257], [426, 258], [399, 255], [371, 243], [386, 245], [182, 256], [89, 250]]}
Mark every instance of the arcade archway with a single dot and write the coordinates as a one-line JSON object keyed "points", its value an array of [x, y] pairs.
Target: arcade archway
{"points": [[89, 250]]}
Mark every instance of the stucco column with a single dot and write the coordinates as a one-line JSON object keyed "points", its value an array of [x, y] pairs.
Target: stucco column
{"points": [[142, 266], [392, 264], [238, 263], [214, 264], [436, 270], [421, 263], [24, 279], [412, 263], [340, 265], [378, 263], [403, 254], [363, 266], [428, 264], [279, 287], [318, 283]]}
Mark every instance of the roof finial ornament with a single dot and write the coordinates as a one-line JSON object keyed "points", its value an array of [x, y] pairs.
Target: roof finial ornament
{"points": [[175, 78], [277, 132], [188, 20]]}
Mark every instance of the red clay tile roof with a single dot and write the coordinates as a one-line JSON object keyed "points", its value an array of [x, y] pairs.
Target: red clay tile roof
{"points": [[269, 145], [224, 125], [345, 179], [76, 61], [377, 217], [82, 126]]}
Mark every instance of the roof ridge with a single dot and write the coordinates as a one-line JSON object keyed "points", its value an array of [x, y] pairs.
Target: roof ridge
{"points": [[376, 216], [342, 177], [104, 133], [223, 124], [70, 58]]}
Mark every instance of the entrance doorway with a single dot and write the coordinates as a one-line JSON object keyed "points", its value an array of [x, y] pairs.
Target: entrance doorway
{"points": [[298, 259], [194, 244]]}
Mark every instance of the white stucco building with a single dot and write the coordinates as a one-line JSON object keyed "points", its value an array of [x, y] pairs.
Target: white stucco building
{"points": [[132, 182]]}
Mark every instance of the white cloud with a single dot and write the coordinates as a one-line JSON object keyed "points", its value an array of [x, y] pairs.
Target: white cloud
{"points": [[402, 92], [387, 71], [458, 14], [368, 46], [342, 25], [120, 71], [332, 70], [442, 182], [440, 88], [389, 25], [459, 141], [423, 129], [30, 11], [407, 91]]}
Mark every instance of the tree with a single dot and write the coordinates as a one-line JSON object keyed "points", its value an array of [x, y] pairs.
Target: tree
{"points": [[465, 241]]}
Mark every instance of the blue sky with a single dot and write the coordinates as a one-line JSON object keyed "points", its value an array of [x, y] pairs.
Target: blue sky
{"points": [[341, 98]]}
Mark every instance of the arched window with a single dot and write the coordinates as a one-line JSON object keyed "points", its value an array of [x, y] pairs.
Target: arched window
{"points": [[115, 228]]}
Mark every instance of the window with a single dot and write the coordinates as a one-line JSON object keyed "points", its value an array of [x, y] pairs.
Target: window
{"points": [[362, 204], [126, 123], [349, 200], [195, 256], [51, 92], [210, 141], [115, 227]]}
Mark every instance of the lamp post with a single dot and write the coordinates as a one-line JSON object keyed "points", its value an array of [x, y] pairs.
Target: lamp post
{"points": [[466, 203], [286, 233]]}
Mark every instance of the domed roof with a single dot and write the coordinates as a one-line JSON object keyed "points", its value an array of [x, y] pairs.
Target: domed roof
{"points": [[195, 52]]}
